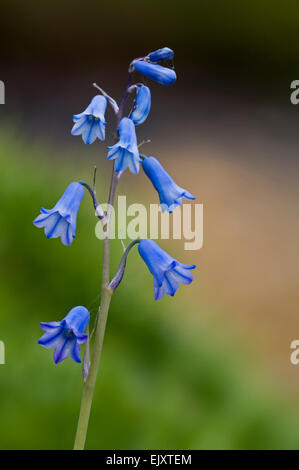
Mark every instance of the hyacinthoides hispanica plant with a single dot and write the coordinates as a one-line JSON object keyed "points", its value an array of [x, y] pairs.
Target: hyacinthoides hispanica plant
{"points": [[67, 336]]}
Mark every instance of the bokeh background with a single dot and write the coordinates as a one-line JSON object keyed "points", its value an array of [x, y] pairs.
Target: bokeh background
{"points": [[210, 368]]}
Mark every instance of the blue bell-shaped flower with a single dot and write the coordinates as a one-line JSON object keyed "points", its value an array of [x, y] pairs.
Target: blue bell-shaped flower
{"points": [[61, 221], [125, 151], [170, 193], [167, 272], [67, 335], [91, 123]]}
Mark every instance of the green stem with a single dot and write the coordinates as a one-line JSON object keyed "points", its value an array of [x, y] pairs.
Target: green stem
{"points": [[89, 386]]}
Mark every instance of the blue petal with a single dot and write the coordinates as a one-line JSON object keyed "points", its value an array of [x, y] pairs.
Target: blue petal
{"points": [[63, 348], [121, 159], [182, 275], [77, 320], [113, 151], [127, 133], [49, 326], [51, 339], [81, 338], [80, 125], [100, 130], [89, 134], [133, 164], [41, 220], [75, 352]]}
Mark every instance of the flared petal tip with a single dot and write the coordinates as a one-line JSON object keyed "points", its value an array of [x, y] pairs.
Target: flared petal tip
{"points": [[188, 195]]}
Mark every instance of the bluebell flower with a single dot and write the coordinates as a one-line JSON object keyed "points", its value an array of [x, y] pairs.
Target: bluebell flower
{"points": [[91, 123], [61, 221], [170, 193], [142, 106], [168, 273], [162, 75], [67, 335], [161, 54], [125, 151]]}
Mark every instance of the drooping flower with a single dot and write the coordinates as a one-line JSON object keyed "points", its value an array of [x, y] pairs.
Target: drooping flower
{"points": [[161, 54], [125, 151], [67, 335], [61, 221], [162, 75], [91, 123], [167, 272], [142, 106], [170, 193]]}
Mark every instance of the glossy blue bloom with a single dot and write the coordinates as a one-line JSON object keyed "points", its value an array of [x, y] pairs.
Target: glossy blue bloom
{"points": [[168, 273], [91, 123], [161, 54], [61, 221], [170, 193], [142, 106], [67, 335], [125, 151], [156, 72]]}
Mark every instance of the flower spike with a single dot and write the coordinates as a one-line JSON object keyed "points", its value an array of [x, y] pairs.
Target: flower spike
{"points": [[91, 123], [167, 272], [61, 221], [170, 193], [67, 335]]}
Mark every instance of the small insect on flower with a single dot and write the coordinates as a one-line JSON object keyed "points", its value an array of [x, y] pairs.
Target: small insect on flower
{"points": [[91, 123], [170, 193], [143, 104], [67, 335], [125, 151], [61, 221], [161, 54], [162, 75], [168, 273]]}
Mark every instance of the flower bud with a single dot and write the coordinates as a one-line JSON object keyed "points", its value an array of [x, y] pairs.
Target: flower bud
{"points": [[162, 75], [161, 54]]}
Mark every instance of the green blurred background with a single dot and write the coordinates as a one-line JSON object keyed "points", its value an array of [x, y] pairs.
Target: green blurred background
{"points": [[209, 368]]}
